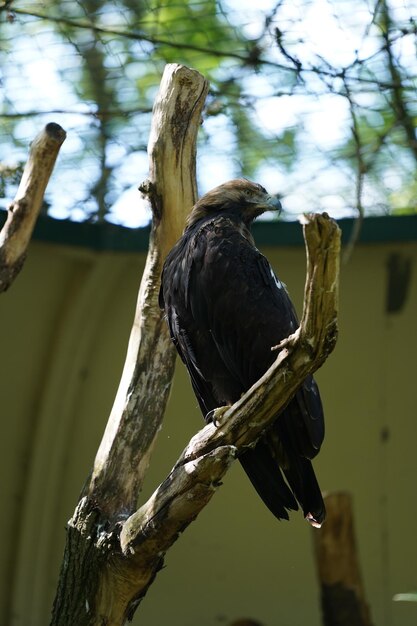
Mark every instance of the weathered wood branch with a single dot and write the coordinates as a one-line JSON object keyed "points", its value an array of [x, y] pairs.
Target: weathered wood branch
{"points": [[136, 417], [210, 452], [135, 555], [113, 554], [98, 585], [24, 210], [342, 592]]}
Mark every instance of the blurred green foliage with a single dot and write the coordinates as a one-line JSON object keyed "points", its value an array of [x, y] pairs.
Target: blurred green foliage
{"points": [[269, 114]]}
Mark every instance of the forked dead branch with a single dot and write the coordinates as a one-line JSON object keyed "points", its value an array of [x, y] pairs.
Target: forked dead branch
{"points": [[114, 551], [207, 457]]}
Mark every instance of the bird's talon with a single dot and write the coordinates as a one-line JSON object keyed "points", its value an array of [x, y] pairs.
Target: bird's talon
{"points": [[210, 417], [288, 342], [214, 416]]}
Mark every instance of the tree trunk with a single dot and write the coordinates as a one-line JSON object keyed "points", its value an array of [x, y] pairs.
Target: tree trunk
{"points": [[342, 593], [98, 585]]}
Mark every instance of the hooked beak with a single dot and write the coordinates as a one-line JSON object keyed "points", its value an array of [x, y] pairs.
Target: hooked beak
{"points": [[274, 204], [259, 204]]}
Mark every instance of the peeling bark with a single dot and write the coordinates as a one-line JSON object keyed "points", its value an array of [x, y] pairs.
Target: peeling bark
{"points": [[136, 417], [25, 208], [113, 582]]}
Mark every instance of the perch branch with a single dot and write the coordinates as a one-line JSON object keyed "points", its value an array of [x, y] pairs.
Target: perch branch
{"points": [[149, 532], [94, 572], [124, 454], [113, 554], [24, 210]]}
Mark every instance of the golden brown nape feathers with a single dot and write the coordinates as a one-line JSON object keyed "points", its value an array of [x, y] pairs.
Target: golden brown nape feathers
{"points": [[239, 196]]}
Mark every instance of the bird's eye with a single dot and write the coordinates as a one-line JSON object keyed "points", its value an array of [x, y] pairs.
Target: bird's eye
{"points": [[248, 193]]}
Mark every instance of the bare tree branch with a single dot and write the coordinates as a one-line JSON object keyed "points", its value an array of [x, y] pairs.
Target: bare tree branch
{"points": [[361, 170], [141, 36], [404, 117], [96, 113], [24, 210], [130, 560], [250, 59], [110, 582], [192, 482], [124, 453], [113, 554]]}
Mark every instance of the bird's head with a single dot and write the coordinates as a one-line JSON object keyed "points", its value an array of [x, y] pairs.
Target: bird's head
{"points": [[239, 197]]}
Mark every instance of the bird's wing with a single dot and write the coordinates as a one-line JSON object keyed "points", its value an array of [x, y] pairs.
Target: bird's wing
{"points": [[226, 309], [174, 299], [235, 296]]}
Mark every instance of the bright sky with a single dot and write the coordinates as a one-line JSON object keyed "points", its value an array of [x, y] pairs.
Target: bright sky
{"points": [[324, 126]]}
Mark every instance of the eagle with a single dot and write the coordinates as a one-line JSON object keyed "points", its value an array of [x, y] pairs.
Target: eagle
{"points": [[226, 309]]}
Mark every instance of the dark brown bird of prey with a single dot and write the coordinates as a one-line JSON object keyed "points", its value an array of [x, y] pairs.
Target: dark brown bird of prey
{"points": [[225, 309]]}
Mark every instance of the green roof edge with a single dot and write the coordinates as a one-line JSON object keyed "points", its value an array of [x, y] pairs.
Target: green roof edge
{"points": [[110, 237]]}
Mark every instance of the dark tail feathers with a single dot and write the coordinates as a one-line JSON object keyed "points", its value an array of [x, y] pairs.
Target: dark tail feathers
{"points": [[303, 482], [265, 475]]}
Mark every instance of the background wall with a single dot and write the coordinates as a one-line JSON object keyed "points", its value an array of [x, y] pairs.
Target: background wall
{"points": [[65, 325]]}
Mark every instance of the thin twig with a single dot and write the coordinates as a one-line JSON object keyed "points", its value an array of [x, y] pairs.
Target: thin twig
{"points": [[361, 170]]}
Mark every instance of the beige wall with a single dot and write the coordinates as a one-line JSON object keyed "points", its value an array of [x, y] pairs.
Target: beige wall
{"points": [[65, 325]]}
